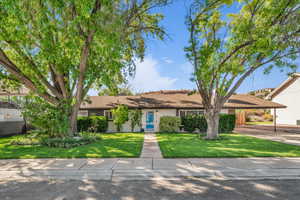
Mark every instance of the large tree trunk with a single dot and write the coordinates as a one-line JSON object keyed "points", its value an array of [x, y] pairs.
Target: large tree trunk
{"points": [[73, 121], [212, 119]]}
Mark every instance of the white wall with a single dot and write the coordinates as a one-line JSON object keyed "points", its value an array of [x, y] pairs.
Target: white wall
{"points": [[125, 128], [157, 114], [7, 114], [289, 97]]}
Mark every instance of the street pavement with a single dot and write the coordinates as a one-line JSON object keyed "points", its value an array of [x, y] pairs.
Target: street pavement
{"points": [[183, 189]]}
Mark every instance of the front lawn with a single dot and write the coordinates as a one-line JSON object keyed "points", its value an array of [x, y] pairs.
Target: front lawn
{"points": [[230, 145], [111, 146]]}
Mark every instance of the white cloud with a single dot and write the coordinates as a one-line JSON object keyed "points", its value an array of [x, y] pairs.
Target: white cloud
{"points": [[148, 78], [167, 60]]}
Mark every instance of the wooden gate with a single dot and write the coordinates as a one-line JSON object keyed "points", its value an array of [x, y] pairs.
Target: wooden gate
{"points": [[240, 118]]}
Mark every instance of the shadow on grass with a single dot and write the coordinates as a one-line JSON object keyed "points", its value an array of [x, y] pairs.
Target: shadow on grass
{"points": [[229, 145], [111, 146]]}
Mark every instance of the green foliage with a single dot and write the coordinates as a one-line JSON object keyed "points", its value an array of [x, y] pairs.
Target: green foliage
{"points": [[99, 124], [226, 48], [61, 49], [50, 119], [114, 145], [135, 117], [192, 122], [226, 123], [96, 124], [83, 123], [228, 145], [123, 90], [68, 142], [120, 115], [169, 124], [25, 140]]}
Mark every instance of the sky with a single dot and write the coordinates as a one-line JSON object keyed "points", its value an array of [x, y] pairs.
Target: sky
{"points": [[165, 66]]}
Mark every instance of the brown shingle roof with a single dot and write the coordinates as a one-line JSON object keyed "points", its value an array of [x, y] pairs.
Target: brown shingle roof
{"points": [[175, 100]]}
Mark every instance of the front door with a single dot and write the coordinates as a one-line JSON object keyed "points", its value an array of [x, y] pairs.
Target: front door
{"points": [[150, 121]]}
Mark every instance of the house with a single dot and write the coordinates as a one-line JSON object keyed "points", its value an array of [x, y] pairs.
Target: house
{"points": [[11, 120], [166, 103], [288, 93]]}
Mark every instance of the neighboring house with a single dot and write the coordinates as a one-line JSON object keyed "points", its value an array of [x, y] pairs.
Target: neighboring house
{"points": [[11, 120], [166, 103], [288, 93], [261, 93]]}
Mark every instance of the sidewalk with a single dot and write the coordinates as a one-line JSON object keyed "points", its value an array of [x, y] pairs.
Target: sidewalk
{"points": [[150, 148], [151, 168]]}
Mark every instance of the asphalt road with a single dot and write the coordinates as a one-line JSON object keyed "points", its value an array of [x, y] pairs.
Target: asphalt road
{"points": [[163, 189]]}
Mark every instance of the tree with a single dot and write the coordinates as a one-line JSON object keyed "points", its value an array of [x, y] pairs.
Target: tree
{"points": [[120, 116], [60, 49], [123, 90], [225, 50], [135, 117]]}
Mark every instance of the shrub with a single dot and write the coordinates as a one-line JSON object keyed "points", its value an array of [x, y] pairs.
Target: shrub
{"points": [[120, 115], [25, 141], [192, 122], [268, 117], [92, 123], [68, 142], [83, 123], [135, 117], [226, 123], [32, 138], [169, 124], [99, 124]]}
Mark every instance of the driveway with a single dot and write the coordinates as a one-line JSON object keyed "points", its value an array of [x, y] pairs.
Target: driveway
{"points": [[288, 135], [185, 189]]}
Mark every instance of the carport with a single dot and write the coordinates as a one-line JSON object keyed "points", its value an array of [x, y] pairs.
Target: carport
{"points": [[243, 102]]}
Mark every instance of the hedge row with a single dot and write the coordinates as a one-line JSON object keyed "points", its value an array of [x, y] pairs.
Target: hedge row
{"points": [[192, 122], [97, 124], [169, 124]]}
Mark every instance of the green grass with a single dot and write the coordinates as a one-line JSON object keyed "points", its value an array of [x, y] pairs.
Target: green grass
{"points": [[229, 145], [259, 123], [111, 146]]}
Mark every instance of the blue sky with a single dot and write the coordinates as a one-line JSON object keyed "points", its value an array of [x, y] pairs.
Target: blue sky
{"points": [[165, 65]]}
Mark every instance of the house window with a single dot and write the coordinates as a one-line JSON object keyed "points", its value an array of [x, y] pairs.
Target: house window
{"points": [[83, 113], [108, 114], [96, 113], [183, 113]]}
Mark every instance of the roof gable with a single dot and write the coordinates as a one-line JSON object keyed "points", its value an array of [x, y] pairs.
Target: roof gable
{"points": [[283, 86]]}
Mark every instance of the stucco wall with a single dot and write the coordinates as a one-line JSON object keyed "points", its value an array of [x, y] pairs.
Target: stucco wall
{"points": [[125, 128], [11, 121], [289, 97], [11, 127], [157, 114]]}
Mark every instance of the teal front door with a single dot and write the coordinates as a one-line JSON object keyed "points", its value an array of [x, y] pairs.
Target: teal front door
{"points": [[150, 121]]}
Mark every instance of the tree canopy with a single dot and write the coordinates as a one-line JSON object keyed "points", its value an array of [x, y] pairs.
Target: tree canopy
{"points": [[59, 49], [225, 48]]}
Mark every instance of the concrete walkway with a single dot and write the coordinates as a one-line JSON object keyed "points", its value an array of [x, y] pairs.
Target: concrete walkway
{"points": [[150, 148], [151, 169]]}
